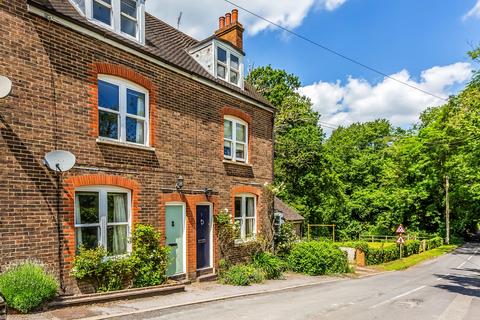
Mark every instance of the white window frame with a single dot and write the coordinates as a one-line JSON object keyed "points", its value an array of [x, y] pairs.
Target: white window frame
{"points": [[103, 223], [244, 218], [234, 141], [116, 14], [124, 85], [228, 64]]}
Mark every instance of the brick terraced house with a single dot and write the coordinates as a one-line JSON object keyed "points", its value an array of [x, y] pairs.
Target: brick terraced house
{"points": [[164, 129]]}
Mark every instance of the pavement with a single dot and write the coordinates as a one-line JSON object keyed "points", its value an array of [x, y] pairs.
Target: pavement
{"points": [[445, 288]]}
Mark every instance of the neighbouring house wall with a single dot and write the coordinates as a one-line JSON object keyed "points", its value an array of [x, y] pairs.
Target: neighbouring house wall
{"points": [[53, 106]]}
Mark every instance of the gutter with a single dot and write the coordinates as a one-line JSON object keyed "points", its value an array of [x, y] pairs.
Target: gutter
{"points": [[149, 57]]}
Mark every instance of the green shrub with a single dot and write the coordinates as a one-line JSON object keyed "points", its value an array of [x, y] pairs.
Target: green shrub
{"points": [[102, 272], [285, 239], [146, 266], [271, 266], [434, 243], [242, 275], [27, 286], [149, 256], [317, 258]]}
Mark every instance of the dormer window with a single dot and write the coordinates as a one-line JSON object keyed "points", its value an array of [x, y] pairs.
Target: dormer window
{"points": [[228, 65], [125, 17]]}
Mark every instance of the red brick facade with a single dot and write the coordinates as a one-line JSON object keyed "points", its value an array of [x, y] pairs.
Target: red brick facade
{"points": [[54, 106]]}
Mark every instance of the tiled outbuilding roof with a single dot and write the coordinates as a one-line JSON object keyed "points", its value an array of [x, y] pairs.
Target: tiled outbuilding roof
{"points": [[289, 214], [162, 42]]}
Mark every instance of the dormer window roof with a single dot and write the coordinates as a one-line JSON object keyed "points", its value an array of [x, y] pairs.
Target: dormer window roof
{"points": [[125, 17]]}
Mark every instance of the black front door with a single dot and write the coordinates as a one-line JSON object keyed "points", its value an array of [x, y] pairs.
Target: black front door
{"points": [[203, 236]]}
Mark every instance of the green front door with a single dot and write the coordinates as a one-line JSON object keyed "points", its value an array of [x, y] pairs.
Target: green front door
{"points": [[174, 230]]}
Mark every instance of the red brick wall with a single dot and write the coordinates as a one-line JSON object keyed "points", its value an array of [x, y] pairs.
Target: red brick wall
{"points": [[52, 106]]}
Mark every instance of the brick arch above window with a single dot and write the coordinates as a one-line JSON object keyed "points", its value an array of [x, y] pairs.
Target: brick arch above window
{"points": [[71, 184], [234, 112], [127, 74]]}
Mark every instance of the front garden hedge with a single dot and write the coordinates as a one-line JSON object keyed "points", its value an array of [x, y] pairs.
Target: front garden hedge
{"points": [[317, 258]]}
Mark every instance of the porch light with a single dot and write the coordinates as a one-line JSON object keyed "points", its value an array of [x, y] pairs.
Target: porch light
{"points": [[208, 192], [179, 184]]}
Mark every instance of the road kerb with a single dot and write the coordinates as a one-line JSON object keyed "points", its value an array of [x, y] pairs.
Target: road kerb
{"points": [[241, 295]]}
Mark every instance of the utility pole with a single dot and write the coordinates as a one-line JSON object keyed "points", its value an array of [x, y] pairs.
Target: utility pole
{"points": [[447, 211]]}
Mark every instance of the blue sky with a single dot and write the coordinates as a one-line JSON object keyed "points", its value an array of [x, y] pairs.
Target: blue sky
{"points": [[422, 42]]}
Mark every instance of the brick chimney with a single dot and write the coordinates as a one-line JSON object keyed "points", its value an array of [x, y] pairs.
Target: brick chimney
{"points": [[229, 29]]}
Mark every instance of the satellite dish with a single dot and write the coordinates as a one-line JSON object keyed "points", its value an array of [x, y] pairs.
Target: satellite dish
{"points": [[60, 161], [5, 87]]}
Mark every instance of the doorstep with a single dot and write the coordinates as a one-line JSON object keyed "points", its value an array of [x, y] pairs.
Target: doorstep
{"points": [[70, 301]]}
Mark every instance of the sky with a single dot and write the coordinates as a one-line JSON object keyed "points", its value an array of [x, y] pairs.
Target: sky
{"points": [[423, 43]]}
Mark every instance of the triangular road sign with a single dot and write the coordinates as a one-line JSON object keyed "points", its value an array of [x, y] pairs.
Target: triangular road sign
{"points": [[400, 240], [400, 229]]}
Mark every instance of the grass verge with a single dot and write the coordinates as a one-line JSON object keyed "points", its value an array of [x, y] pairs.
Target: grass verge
{"points": [[416, 258]]}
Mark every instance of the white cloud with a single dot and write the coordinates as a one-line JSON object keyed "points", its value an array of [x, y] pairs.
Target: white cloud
{"points": [[200, 18], [358, 100], [474, 12]]}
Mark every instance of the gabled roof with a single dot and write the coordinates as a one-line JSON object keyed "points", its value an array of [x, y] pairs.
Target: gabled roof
{"points": [[162, 42], [289, 214]]}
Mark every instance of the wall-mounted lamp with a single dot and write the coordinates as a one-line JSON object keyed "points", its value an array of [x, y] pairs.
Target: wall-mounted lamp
{"points": [[5, 87], [208, 192], [179, 184]]}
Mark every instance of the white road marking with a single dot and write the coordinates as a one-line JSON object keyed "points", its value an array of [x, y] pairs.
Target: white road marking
{"points": [[445, 276], [469, 258], [458, 309], [397, 297]]}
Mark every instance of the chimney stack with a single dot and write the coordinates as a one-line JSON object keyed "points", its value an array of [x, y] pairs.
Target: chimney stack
{"points": [[230, 29]]}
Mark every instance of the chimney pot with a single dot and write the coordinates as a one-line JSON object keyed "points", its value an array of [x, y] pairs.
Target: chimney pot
{"points": [[234, 15], [221, 23], [228, 17]]}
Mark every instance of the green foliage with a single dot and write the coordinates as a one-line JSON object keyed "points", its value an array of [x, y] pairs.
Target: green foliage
{"points": [[434, 243], [317, 258], [146, 266], [272, 266], [285, 239], [102, 272], [241, 275], [27, 286], [149, 256], [417, 258]]}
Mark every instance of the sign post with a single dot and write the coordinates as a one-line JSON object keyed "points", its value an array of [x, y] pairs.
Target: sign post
{"points": [[400, 239]]}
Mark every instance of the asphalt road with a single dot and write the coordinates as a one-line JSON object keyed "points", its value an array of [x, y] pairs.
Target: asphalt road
{"points": [[447, 288]]}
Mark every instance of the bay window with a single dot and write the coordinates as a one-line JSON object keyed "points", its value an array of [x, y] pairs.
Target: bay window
{"points": [[245, 216], [102, 218], [122, 111], [235, 139]]}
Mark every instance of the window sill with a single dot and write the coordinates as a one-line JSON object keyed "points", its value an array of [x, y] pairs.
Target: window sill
{"points": [[124, 144], [237, 163], [240, 242]]}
